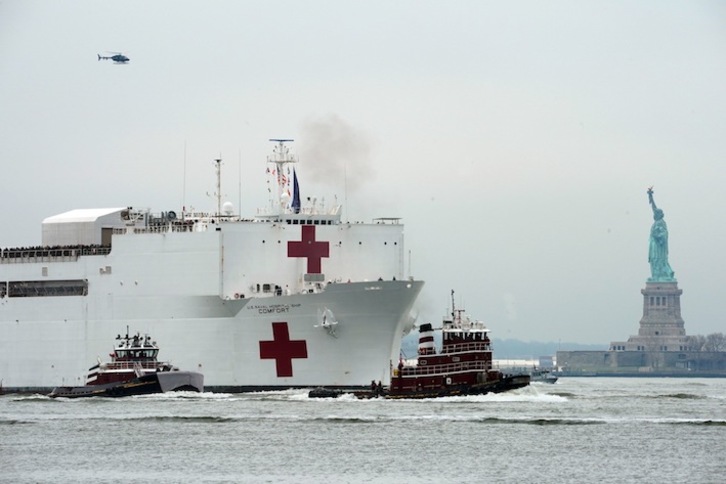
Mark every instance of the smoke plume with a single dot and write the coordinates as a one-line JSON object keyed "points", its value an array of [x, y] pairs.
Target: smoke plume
{"points": [[335, 153]]}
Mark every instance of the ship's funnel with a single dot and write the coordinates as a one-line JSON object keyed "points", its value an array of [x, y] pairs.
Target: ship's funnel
{"points": [[426, 340]]}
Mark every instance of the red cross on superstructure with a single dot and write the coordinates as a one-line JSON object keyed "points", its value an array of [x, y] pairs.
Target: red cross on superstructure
{"points": [[282, 349], [313, 249]]}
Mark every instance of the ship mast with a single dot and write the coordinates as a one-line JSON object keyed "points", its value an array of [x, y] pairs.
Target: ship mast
{"points": [[280, 157], [218, 168], [453, 308]]}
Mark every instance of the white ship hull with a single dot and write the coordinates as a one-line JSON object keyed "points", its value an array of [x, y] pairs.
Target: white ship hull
{"points": [[40, 354], [293, 299]]}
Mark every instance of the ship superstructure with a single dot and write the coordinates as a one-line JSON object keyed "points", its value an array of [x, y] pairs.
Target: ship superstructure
{"points": [[289, 297]]}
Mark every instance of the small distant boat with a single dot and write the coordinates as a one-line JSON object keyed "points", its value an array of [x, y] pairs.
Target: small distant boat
{"points": [[133, 370], [542, 376], [462, 367]]}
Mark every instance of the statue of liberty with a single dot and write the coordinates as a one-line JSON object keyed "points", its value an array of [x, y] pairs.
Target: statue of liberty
{"points": [[660, 270]]}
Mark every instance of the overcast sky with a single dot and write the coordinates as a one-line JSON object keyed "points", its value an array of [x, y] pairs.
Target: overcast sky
{"points": [[515, 139]]}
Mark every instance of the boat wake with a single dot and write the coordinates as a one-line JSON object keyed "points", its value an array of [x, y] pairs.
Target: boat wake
{"points": [[679, 396], [35, 397], [186, 395]]}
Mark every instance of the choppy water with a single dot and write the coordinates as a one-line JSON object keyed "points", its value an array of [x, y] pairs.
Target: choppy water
{"points": [[579, 430]]}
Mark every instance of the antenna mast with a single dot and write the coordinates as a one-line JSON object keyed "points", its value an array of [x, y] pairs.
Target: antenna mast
{"points": [[280, 157], [184, 183], [453, 307], [218, 161], [239, 183]]}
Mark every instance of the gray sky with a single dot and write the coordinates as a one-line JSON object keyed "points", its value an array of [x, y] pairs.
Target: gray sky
{"points": [[515, 139]]}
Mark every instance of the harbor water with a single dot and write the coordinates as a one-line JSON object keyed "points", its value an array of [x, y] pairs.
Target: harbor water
{"points": [[577, 430]]}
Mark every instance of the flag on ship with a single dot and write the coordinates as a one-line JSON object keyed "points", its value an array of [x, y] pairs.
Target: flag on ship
{"points": [[295, 193]]}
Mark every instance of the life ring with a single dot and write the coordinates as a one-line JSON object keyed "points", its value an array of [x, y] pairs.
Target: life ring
{"points": [[448, 380], [236, 295]]}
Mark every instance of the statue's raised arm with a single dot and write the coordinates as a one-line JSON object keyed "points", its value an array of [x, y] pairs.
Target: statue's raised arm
{"points": [[651, 200], [660, 269]]}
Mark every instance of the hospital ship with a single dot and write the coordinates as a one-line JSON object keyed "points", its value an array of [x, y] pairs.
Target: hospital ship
{"points": [[290, 297]]}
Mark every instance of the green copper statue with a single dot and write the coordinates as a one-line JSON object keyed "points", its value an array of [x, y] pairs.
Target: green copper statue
{"points": [[660, 270]]}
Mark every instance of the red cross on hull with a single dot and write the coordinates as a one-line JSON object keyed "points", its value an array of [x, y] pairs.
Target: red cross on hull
{"points": [[313, 249], [282, 349]]}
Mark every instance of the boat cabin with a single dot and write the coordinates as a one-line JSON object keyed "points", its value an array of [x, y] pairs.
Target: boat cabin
{"points": [[460, 333], [135, 348]]}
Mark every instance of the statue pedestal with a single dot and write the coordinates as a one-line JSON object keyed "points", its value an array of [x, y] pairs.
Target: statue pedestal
{"points": [[661, 310], [661, 327]]}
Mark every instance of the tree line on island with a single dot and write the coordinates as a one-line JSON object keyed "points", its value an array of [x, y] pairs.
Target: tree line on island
{"points": [[714, 342]]}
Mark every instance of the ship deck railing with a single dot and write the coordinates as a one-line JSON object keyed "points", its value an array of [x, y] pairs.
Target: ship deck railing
{"points": [[131, 365], [465, 347], [445, 369], [51, 254], [159, 229]]}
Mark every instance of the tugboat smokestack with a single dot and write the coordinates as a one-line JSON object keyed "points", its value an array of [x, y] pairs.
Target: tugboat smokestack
{"points": [[426, 340]]}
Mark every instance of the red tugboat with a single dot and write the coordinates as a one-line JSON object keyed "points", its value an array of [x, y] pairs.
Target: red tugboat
{"points": [[133, 370], [463, 367]]}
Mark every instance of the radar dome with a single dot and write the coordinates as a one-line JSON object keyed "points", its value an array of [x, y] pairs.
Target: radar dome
{"points": [[228, 208]]}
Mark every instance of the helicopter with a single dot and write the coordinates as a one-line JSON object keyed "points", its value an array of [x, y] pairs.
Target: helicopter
{"points": [[117, 57]]}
